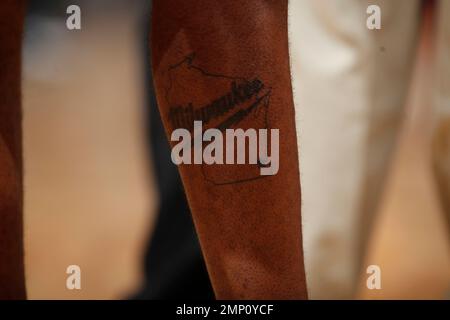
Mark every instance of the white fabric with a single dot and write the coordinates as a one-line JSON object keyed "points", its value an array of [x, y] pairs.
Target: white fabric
{"points": [[349, 89]]}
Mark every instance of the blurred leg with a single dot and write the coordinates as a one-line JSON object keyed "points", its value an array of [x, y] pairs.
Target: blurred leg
{"points": [[350, 84], [12, 284], [441, 136]]}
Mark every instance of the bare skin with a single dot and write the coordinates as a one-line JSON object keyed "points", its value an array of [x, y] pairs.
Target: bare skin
{"points": [[12, 280], [249, 226]]}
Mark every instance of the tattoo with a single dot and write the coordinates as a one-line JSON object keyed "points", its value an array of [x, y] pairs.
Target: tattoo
{"points": [[184, 117], [230, 102]]}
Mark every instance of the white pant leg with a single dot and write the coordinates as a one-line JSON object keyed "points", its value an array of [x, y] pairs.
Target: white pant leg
{"points": [[441, 134], [349, 89]]}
